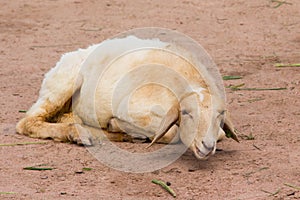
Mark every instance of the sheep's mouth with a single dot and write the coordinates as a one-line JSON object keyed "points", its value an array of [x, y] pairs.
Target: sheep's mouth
{"points": [[201, 155]]}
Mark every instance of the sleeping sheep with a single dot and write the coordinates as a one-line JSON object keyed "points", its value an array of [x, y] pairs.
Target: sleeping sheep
{"points": [[130, 88]]}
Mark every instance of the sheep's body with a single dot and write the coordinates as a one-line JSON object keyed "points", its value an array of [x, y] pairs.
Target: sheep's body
{"points": [[99, 85]]}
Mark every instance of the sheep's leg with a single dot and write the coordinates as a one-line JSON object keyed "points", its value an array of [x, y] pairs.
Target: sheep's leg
{"points": [[35, 127], [36, 124], [99, 135], [116, 125], [55, 97]]}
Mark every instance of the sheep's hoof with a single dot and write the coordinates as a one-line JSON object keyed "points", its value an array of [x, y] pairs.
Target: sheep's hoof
{"points": [[86, 141], [82, 136]]}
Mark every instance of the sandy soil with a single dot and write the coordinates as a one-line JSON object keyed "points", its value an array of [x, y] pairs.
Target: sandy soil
{"points": [[244, 38]]}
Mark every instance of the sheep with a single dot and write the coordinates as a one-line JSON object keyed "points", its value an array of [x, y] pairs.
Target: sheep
{"points": [[131, 88]]}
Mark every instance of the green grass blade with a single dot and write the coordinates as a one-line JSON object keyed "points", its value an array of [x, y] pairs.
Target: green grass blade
{"points": [[164, 186], [261, 89], [86, 169], [231, 77], [22, 111], [38, 168], [287, 65], [280, 3]]}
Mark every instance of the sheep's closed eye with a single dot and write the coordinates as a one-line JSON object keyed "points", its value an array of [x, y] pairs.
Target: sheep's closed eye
{"points": [[185, 112], [222, 112]]}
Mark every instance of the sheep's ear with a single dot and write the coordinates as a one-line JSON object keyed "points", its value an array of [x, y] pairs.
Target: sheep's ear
{"points": [[169, 119], [229, 129]]}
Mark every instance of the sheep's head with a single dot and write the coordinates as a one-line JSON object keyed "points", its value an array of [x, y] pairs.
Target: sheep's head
{"points": [[203, 123], [200, 111]]}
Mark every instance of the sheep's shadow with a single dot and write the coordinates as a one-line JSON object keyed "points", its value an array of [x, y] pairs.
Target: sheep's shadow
{"points": [[186, 160], [215, 162]]}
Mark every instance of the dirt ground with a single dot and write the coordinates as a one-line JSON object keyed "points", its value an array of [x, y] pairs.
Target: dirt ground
{"points": [[244, 38]]}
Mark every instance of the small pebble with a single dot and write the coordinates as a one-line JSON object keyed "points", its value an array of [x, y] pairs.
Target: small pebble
{"points": [[44, 177]]}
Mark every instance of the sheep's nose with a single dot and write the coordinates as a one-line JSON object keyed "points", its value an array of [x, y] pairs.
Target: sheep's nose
{"points": [[205, 149], [208, 147]]}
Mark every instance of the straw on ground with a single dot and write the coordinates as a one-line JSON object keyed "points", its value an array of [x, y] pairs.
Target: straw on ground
{"points": [[287, 65], [164, 186], [20, 143]]}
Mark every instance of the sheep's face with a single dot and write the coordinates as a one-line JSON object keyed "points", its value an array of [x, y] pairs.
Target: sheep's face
{"points": [[205, 141], [201, 125]]}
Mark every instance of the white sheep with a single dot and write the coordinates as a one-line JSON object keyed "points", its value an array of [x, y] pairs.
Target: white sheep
{"points": [[134, 86]]}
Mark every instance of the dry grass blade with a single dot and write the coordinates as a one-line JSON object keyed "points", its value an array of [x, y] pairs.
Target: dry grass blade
{"points": [[247, 137], [292, 186], [272, 193], [248, 174], [164, 186], [255, 99], [7, 193], [256, 147], [53, 46], [279, 3], [21, 143], [235, 87], [239, 87], [91, 29], [261, 89]]}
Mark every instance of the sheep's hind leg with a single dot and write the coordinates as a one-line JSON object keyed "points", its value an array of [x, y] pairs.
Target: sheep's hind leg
{"points": [[35, 127], [63, 129], [55, 98]]}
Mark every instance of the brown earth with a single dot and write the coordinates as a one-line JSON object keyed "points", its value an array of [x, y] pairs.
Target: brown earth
{"points": [[244, 38]]}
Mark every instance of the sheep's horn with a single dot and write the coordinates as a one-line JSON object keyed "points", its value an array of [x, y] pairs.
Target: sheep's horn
{"points": [[167, 122]]}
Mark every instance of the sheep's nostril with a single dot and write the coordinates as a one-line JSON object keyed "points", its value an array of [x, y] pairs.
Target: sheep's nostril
{"points": [[208, 147], [204, 150]]}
